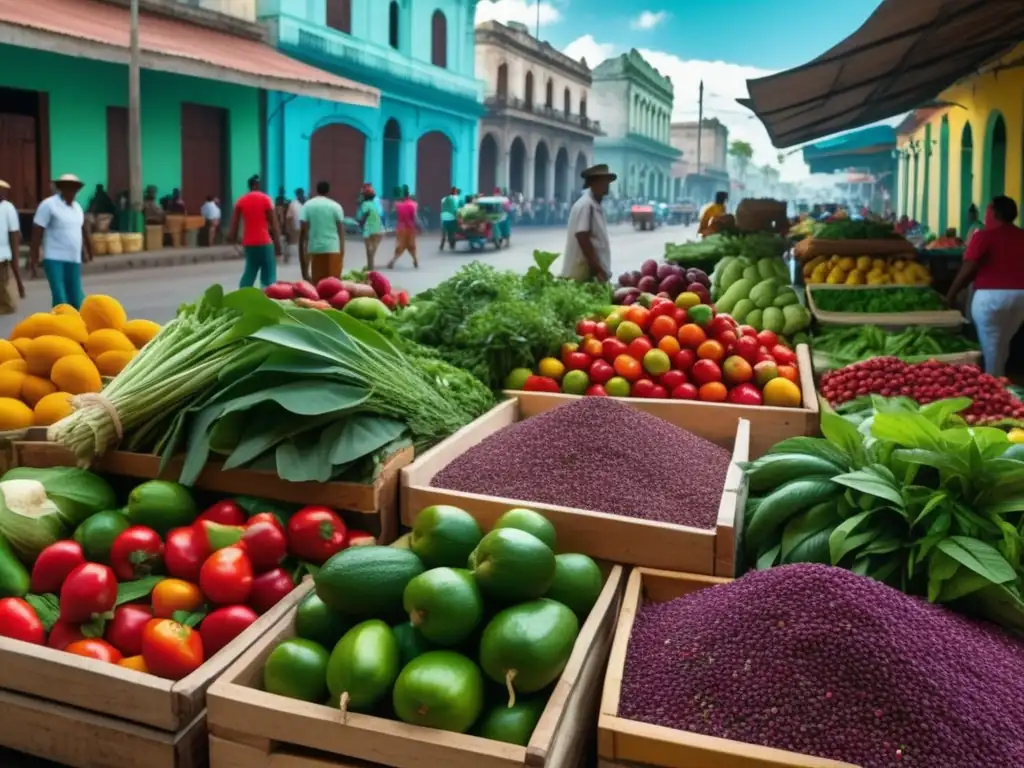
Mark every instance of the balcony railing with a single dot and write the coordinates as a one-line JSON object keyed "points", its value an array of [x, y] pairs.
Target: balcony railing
{"points": [[501, 103]]}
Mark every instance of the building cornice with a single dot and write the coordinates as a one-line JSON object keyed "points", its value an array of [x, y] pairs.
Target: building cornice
{"points": [[201, 17], [505, 37], [634, 67]]}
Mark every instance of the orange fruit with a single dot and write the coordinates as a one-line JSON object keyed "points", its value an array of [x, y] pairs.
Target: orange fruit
{"points": [[669, 345], [663, 326], [691, 335], [592, 347], [711, 350], [789, 372], [782, 392], [639, 315], [628, 367], [713, 392]]}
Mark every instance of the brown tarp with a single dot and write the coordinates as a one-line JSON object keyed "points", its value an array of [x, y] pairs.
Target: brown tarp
{"points": [[902, 57]]}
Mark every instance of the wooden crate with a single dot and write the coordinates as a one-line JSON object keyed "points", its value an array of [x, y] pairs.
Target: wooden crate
{"points": [[615, 538], [373, 508], [250, 728], [947, 318], [714, 421], [625, 743]]}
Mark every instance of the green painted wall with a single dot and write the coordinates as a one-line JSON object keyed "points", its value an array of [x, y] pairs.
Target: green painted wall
{"points": [[81, 90]]}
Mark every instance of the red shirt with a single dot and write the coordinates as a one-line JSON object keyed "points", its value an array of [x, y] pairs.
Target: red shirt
{"points": [[999, 251], [405, 210], [252, 207]]}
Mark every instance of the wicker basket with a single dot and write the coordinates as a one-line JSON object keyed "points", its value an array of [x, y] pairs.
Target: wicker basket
{"points": [[99, 243], [114, 244], [131, 242]]}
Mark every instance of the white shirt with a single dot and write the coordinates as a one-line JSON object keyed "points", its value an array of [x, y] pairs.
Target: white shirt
{"points": [[210, 211], [586, 215], [295, 214], [63, 225], [8, 224]]}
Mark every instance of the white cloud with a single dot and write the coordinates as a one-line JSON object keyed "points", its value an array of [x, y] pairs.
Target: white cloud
{"points": [[588, 48], [649, 19], [523, 11]]}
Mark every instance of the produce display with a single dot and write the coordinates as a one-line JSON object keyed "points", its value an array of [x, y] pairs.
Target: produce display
{"points": [[155, 585], [564, 457], [449, 628], [758, 294], [879, 300], [488, 322], [860, 229], [865, 270], [376, 294], [666, 280], [824, 662], [947, 242], [51, 357], [913, 497], [689, 353], [845, 345], [706, 253]]}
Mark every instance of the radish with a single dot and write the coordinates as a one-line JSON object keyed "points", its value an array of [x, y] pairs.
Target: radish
{"points": [[306, 291], [280, 291], [328, 287], [339, 299]]}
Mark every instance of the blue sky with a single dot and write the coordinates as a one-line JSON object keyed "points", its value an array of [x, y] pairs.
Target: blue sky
{"points": [[725, 43]]}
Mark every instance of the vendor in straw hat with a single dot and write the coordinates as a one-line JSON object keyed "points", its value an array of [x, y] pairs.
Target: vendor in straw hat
{"points": [[588, 253], [61, 220], [10, 246]]}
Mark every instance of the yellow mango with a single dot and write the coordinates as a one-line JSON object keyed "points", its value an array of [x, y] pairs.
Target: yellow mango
{"points": [[77, 375], [14, 414], [100, 311], [44, 351]]}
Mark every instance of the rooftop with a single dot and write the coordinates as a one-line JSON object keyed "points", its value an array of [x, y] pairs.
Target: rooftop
{"points": [[516, 36]]}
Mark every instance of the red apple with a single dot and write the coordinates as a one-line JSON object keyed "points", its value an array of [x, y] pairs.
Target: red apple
{"points": [[745, 394], [596, 390], [685, 392], [705, 371], [600, 371], [612, 348], [671, 379], [643, 388], [683, 359]]}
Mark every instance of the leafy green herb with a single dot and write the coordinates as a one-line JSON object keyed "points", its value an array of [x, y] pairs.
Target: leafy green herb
{"points": [[47, 608], [878, 300], [189, 619], [130, 591], [839, 346]]}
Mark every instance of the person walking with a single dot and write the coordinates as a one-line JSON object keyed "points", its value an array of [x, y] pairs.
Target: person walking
{"points": [[406, 213], [211, 215], [588, 253], [60, 229], [370, 220], [10, 251], [322, 241], [449, 209], [711, 212], [261, 236], [293, 227]]}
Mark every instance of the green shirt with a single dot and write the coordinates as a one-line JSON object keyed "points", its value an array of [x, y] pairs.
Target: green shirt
{"points": [[323, 216], [372, 225], [449, 207]]}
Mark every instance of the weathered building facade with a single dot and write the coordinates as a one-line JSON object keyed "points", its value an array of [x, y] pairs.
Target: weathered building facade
{"points": [[701, 170]]}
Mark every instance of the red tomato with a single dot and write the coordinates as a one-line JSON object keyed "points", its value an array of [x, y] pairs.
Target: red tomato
{"points": [[727, 338], [224, 625], [612, 348], [265, 544], [361, 538], [577, 361], [268, 588], [746, 347], [639, 347], [136, 552], [748, 330], [659, 392], [567, 349], [225, 512], [585, 327], [185, 551], [540, 384], [763, 355], [679, 315], [170, 649], [601, 371], [89, 590], [596, 390], [684, 359], [661, 307], [720, 325], [18, 620], [226, 576], [643, 388], [92, 648], [601, 331], [63, 634], [54, 564], [314, 534], [685, 392], [125, 631], [705, 371], [768, 339], [672, 379], [783, 355], [268, 517]]}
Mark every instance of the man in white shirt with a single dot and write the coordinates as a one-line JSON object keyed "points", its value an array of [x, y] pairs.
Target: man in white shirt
{"points": [[293, 217], [60, 219], [211, 214], [588, 254], [10, 247]]}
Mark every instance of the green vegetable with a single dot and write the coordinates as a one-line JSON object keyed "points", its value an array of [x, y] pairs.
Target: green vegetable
{"points": [[29, 521], [878, 300], [96, 535], [440, 689], [855, 230], [77, 493], [363, 666], [513, 725], [709, 251], [161, 505], [14, 577], [367, 581], [841, 346]]}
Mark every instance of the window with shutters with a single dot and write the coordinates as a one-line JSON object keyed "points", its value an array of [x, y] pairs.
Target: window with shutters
{"points": [[339, 15], [439, 40], [393, 18], [567, 103]]}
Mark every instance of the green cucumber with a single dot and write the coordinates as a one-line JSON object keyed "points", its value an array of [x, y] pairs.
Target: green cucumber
{"points": [[782, 504], [775, 469]]}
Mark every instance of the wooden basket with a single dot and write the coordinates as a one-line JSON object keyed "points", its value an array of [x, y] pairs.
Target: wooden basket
{"points": [[615, 538], [633, 744], [254, 729], [810, 247], [713, 421], [948, 318]]}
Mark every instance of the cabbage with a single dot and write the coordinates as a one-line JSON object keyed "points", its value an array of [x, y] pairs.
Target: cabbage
{"points": [[78, 493], [28, 519]]}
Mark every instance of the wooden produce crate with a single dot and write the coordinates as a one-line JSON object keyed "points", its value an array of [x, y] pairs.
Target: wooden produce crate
{"points": [[250, 728], [713, 421], [947, 318], [810, 247], [615, 538], [372, 508], [626, 743]]}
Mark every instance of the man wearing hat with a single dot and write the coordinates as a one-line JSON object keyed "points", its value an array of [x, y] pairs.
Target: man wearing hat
{"points": [[60, 219], [588, 253], [10, 246]]}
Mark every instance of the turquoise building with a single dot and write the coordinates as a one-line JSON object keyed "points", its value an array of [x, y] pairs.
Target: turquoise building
{"points": [[420, 55]]}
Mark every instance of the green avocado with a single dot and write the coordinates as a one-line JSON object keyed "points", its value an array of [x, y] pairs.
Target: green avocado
{"points": [[511, 565], [297, 669], [531, 522], [512, 725], [444, 535], [161, 505], [364, 665], [444, 604], [577, 583], [96, 535], [367, 581], [315, 621], [440, 689]]}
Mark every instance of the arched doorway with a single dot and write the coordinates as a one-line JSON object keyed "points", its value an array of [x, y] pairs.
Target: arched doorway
{"points": [[503, 81], [541, 169], [433, 173], [337, 155], [392, 157], [439, 40], [943, 175], [562, 175], [517, 167], [994, 169], [487, 175], [926, 184], [528, 93], [966, 174], [581, 166]]}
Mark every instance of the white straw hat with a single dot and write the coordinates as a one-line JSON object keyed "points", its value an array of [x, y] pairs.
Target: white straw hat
{"points": [[69, 178]]}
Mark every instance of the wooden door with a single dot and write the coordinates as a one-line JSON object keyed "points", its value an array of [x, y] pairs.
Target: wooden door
{"points": [[117, 151], [203, 156], [19, 162], [433, 173], [337, 155]]}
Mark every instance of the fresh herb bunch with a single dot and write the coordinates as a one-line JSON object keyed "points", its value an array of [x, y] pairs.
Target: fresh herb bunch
{"points": [[841, 346], [878, 300], [707, 252], [855, 230]]}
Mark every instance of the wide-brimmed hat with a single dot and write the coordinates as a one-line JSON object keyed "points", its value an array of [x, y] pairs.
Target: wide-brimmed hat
{"points": [[595, 172], [68, 178], [4, 184]]}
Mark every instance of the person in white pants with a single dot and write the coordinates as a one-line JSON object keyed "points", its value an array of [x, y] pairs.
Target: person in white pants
{"points": [[994, 262]]}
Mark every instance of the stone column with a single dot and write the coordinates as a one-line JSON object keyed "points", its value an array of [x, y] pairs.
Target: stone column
{"points": [[406, 165], [528, 189]]}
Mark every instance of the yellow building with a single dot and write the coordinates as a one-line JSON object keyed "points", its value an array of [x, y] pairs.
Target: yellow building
{"points": [[965, 151]]}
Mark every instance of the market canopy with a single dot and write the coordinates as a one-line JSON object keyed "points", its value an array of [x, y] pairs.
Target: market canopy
{"points": [[906, 53], [869, 147], [97, 30]]}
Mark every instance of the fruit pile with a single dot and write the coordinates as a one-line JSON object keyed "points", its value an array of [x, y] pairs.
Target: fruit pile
{"points": [[330, 292], [52, 356], [865, 270], [481, 614], [683, 350], [156, 586], [758, 294], [664, 280]]}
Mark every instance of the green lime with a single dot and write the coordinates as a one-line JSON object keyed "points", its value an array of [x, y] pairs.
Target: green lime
{"points": [[656, 362], [161, 505], [513, 725], [577, 583], [440, 689], [627, 331], [700, 314], [516, 378], [444, 535], [512, 565], [617, 386], [575, 382], [97, 533], [297, 668], [444, 604], [531, 522], [315, 621]]}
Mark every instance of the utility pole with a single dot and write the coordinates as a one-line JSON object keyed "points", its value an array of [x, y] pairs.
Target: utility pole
{"points": [[134, 124], [700, 121], [538, 19]]}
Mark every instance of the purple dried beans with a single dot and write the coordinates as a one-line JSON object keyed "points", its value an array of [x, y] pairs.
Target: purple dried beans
{"points": [[600, 455], [824, 662]]}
